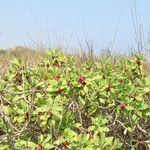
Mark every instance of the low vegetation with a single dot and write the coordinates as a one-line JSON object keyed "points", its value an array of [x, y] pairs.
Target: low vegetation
{"points": [[66, 102]]}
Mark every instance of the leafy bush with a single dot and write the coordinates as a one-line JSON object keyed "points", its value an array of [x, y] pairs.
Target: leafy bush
{"points": [[59, 105]]}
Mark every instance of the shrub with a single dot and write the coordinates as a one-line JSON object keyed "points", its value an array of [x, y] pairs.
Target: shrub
{"points": [[58, 105]]}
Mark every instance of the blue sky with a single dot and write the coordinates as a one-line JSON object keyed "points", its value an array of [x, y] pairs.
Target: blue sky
{"points": [[27, 22]]}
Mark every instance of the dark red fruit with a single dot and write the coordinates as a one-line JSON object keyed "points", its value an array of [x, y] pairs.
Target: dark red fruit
{"points": [[38, 147], [65, 143], [26, 115], [47, 65], [132, 95], [108, 87], [123, 69], [56, 77], [122, 105], [58, 90], [138, 62], [49, 114], [57, 63], [120, 80], [82, 79], [64, 148], [88, 68]]}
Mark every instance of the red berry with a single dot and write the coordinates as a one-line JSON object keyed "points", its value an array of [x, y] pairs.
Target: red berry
{"points": [[49, 114], [108, 87], [138, 62], [64, 148], [122, 105], [26, 115], [57, 63], [38, 147], [123, 69], [65, 143], [132, 95], [47, 65], [88, 68], [59, 90], [56, 77], [82, 79], [120, 80]]}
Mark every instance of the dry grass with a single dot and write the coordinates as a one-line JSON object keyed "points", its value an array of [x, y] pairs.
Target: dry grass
{"points": [[33, 57], [30, 56]]}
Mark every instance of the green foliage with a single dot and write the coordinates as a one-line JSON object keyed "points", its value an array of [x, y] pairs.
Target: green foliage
{"points": [[58, 105]]}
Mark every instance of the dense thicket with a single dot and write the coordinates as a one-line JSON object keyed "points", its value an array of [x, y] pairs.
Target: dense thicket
{"points": [[59, 104]]}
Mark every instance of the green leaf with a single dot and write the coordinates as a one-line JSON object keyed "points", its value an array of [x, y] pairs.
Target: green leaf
{"points": [[40, 138], [102, 101], [47, 139], [39, 95], [31, 144], [91, 128], [108, 141]]}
